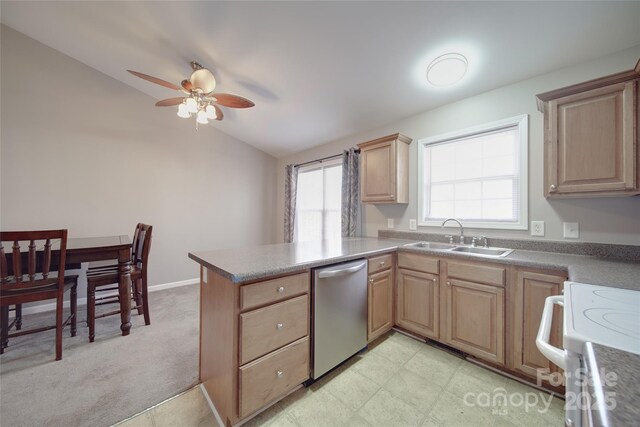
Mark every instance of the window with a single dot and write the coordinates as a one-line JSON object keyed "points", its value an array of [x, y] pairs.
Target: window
{"points": [[319, 202], [477, 175]]}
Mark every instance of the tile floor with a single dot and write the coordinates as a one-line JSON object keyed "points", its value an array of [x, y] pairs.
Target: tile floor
{"points": [[399, 382]]}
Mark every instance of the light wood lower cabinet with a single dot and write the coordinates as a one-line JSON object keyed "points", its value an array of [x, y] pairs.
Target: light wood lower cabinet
{"points": [[529, 289], [254, 341], [474, 319], [380, 296], [418, 303], [264, 380], [268, 328], [380, 302]]}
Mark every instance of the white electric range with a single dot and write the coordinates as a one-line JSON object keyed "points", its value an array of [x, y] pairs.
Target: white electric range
{"points": [[598, 314]]}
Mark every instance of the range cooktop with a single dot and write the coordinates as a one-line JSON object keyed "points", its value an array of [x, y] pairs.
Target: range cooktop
{"points": [[602, 315]]}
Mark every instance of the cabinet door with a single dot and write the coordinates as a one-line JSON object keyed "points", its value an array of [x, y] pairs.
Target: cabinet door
{"points": [[474, 319], [380, 317], [530, 290], [418, 303], [378, 172], [591, 140]]}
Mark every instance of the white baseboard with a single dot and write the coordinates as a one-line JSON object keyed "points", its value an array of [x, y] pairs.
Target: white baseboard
{"points": [[83, 301]]}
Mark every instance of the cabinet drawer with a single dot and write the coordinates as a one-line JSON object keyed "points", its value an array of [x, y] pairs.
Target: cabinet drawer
{"points": [[491, 275], [270, 291], [418, 262], [272, 376], [266, 329], [380, 263]]}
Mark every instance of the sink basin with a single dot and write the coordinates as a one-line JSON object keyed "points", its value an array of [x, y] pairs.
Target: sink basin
{"points": [[492, 252], [431, 245]]}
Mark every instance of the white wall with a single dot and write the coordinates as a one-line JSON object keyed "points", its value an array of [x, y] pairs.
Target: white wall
{"points": [[605, 220], [82, 151]]}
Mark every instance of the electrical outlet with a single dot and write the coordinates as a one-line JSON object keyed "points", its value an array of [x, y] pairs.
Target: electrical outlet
{"points": [[537, 228], [390, 223], [571, 230], [412, 224]]}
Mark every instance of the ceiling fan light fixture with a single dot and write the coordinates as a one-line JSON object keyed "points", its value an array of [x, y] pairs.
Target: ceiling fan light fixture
{"points": [[202, 117], [183, 111], [211, 112], [192, 105], [203, 79], [447, 69]]}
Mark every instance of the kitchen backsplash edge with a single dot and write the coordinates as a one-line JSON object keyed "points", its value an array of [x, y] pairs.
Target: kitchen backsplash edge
{"points": [[600, 250]]}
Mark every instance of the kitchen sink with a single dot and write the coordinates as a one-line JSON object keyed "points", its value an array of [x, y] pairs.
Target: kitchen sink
{"points": [[432, 245], [493, 252]]}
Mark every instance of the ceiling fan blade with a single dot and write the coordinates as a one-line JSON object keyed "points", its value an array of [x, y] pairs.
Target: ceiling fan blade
{"points": [[219, 115], [155, 80], [232, 101], [169, 102], [186, 85]]}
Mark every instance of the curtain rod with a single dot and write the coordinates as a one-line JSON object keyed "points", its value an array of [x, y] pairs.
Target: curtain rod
{"points": [[335, 156]]}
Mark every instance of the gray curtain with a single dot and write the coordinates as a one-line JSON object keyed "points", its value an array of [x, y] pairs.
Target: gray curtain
{"points": [[290, 188], [350, 193]]}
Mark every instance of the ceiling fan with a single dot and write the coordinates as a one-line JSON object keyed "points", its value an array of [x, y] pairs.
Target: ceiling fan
{"points": [[199, 99]]}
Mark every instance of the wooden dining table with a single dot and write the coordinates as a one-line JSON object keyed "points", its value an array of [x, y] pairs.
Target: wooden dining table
{"points": [[88, 249]]}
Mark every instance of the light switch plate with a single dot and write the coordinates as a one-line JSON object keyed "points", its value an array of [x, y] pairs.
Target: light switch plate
{"points": [[390, 223], [571, 230], [537, 228], [412, 224]]}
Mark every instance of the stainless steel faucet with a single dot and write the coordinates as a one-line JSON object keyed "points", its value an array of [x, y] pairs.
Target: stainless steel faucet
{"points": [[461, 228]]}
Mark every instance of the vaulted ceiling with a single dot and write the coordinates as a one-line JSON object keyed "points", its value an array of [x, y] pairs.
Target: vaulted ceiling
{"points": [[319, 71]]}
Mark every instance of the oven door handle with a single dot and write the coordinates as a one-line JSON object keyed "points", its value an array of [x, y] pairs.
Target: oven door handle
{"points": [[554, 354]]}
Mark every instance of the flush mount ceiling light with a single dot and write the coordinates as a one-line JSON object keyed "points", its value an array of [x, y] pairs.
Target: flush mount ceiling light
{"points": [[447, 69]]}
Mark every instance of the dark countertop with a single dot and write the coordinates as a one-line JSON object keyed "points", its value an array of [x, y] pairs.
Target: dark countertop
{"points": [[613, 379], [258, 262]]}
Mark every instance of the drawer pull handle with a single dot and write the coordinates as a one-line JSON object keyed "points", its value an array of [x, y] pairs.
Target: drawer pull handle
{"points": [[279, 325], [279, 374], [281, 289], [381, 263]]}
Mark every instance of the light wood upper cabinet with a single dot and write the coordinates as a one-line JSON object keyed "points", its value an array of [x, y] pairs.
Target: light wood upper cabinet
{"points": [[472, 312], [384, 170], [418, 303], [591, 138], [528, 292]]}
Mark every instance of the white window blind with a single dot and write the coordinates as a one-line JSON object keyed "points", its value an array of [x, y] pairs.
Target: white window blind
{"points": [[478, 176], [319, 202]]}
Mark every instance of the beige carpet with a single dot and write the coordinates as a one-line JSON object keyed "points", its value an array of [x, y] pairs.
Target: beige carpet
{"points": [[101, 383]]}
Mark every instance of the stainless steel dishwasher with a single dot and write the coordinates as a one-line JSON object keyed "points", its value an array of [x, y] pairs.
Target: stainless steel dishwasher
{"points": [[339, 314]]}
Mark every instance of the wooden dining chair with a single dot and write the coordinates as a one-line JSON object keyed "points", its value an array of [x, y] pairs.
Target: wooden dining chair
{"points": [[25, 277], [103, 277]]}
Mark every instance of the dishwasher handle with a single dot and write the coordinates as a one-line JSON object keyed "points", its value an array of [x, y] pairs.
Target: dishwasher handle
{"points": [[554, 354], [323, 274]]}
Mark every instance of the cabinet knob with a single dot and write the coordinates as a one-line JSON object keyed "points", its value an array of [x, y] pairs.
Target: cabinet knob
{"points": [[279, 326], [448, 283], [279, 374], [371, 281], [381, 263], [434, 280], [281, 289], [552, 188]]}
